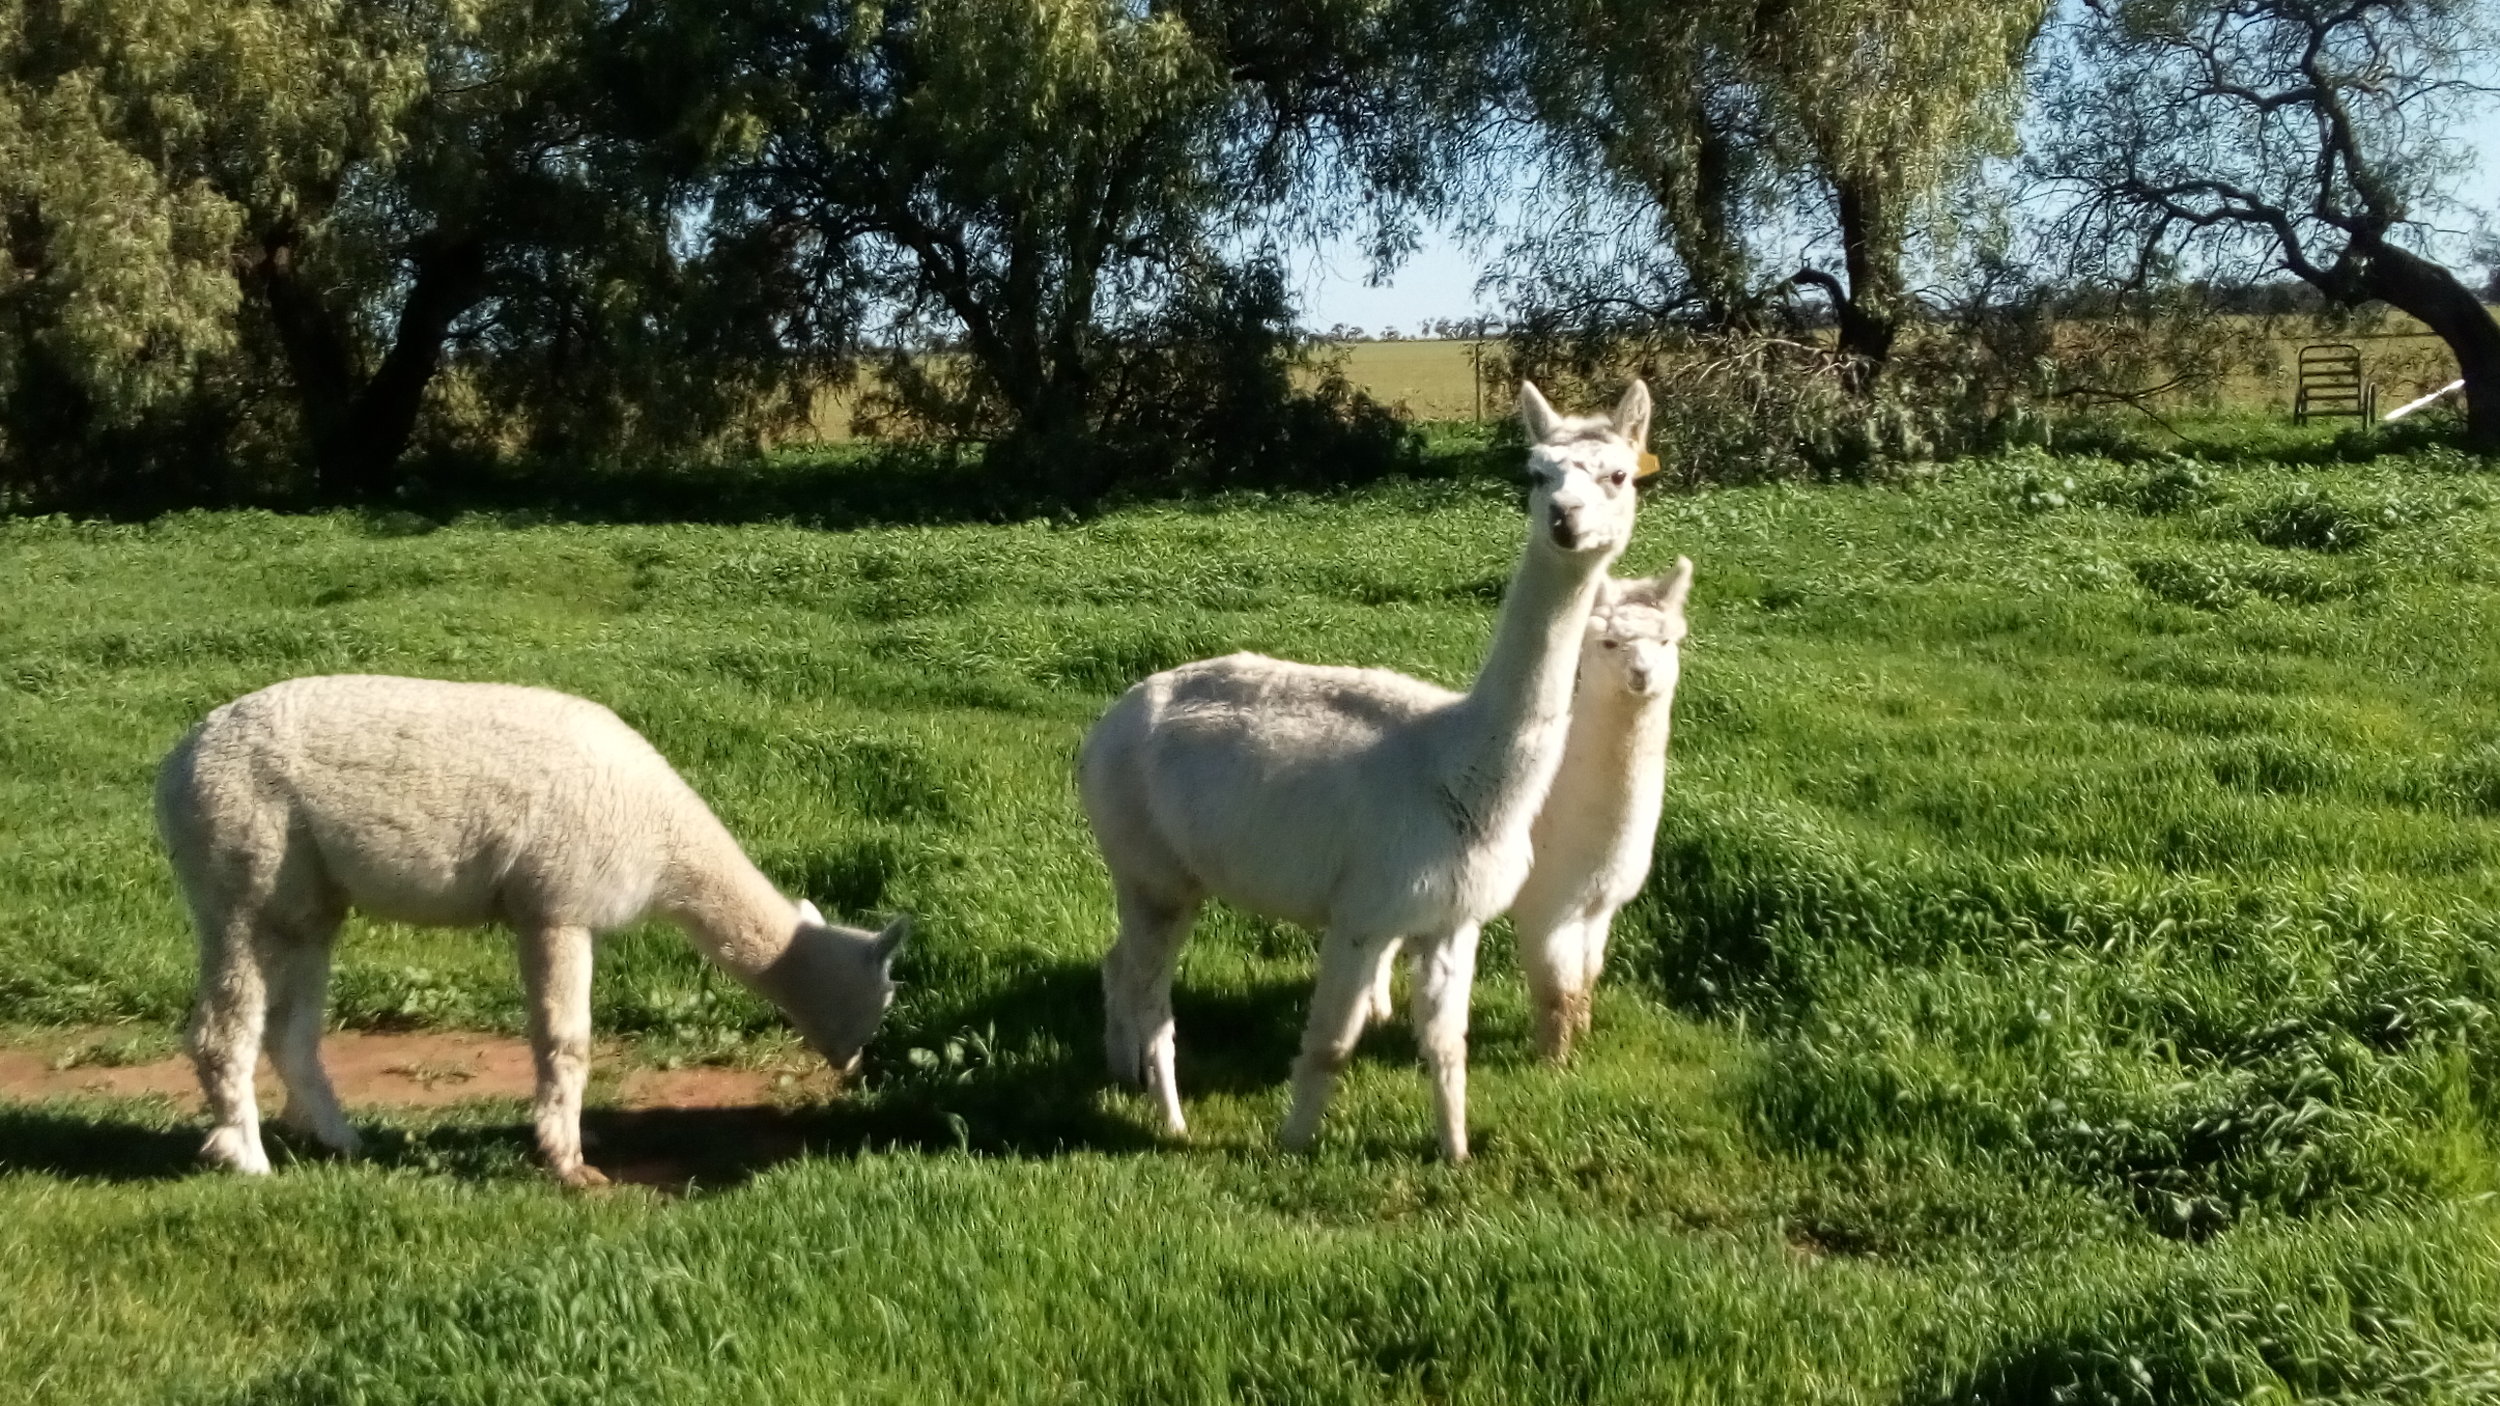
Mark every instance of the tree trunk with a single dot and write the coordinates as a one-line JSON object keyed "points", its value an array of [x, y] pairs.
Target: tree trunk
{"points": [[320, 359], [1700, 223], [362, 463], [2428, 292], [359, 426], [1870, 318]]}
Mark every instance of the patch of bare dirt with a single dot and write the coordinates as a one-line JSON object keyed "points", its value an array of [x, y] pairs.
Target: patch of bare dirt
{"points": [[416, 1069], [676, 1130]]}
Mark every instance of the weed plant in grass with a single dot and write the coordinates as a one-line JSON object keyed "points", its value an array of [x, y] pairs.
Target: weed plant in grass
{"points": [[2070, 966]]}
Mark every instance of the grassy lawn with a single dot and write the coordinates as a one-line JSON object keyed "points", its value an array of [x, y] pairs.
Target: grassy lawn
{"points": [[2071, 967]]}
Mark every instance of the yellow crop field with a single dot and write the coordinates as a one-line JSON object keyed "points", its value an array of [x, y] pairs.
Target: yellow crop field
{"points": [[1427, 380]]}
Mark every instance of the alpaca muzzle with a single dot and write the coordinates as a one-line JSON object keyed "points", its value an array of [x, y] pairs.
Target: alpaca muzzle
{"points": [[1563, 527]]}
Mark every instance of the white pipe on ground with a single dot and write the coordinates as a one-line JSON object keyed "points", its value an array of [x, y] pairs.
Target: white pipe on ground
{"points": [[2410, 406]]}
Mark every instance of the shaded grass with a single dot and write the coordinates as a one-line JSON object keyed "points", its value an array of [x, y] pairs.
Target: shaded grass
{"points": [[2069, 971]]}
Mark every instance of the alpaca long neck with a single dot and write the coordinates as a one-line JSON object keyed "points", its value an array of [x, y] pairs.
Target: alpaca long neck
{"points": [[1510, 729], [726, 905], [1618, 750]]}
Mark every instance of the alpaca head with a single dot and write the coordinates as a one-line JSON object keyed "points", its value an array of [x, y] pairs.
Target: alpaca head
{"points": [[1635, 633], [835, 982], [1581, 472]]}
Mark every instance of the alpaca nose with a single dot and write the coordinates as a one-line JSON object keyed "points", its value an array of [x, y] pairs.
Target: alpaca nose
{"points": [[1640, 680], [1561, 522]]}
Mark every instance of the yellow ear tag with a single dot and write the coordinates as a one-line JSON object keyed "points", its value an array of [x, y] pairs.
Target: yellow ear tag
{"points": [[1649, 464]]}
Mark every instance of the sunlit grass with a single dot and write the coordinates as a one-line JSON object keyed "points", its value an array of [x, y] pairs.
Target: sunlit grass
{"points": [[2072, 962]]}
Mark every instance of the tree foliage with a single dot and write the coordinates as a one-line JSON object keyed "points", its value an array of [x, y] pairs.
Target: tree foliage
{"points": [[2289, 135], [315, 249], [245, 233], [1027, 199], [1722, 131]]}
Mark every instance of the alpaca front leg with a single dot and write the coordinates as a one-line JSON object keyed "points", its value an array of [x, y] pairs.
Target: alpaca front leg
{"points": [[1600, 926], [1445, 980], [1554, 957], [1339, 1002], [555, 967]]}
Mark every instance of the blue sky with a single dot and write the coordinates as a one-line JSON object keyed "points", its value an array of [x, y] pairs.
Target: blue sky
{"points": [[1439, 280]]}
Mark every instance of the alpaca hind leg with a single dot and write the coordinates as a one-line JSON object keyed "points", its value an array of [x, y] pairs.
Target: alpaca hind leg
{"points": [[1445, 980], [1384, 1007], [1122, 1049], [225, 1036], [1340, 1001], [298, 975], [1139, 1036], [555, 969], [1554, 957]]}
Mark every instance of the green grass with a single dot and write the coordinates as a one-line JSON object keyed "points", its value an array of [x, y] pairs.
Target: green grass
{"points": [[2070, 972]]}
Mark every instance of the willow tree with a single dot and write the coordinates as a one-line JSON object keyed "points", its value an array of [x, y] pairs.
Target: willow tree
{"points": [[412, 179], [2305, 137], [989, 174], [1882, 104], [1022, 194], [1653, 102], [271, 224], [114, 290], [1733, 124]]}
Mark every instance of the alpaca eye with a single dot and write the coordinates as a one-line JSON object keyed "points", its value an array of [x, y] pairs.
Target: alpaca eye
{"points": [[1608, 643], [1619, 477]]}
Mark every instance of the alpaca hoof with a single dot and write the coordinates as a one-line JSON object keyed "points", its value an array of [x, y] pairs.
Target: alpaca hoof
{"points": [[1554, 1046], [231, 1149], [582, 1178], [338, 1139]]}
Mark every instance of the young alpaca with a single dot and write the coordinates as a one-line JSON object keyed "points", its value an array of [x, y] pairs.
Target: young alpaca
{"points": [[456, 804], [1365, 803], [1600, 821]]}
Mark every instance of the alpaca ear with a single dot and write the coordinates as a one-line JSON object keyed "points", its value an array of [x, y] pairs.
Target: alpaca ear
{"points": [[809, 915], [1631, 417], [1535, 416], [890, 941], [1677, 586]]}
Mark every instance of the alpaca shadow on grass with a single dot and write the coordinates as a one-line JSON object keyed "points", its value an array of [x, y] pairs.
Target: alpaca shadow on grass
{"points": [[102, 1142], [1241, 1039], [1015, 1071]]}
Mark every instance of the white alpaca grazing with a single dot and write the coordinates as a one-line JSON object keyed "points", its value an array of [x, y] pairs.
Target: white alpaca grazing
{"points": [[1594, 836], [457, 804], [1370, 805]]}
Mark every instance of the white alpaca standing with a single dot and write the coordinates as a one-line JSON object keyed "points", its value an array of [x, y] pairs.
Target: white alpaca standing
{"points": [[1600, 822], [457, 804], [1370, 805]]}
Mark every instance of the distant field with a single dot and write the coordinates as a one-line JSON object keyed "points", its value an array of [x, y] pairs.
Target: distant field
{"points": [[1431, 380], [1427, 380], [2072, 971]]}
